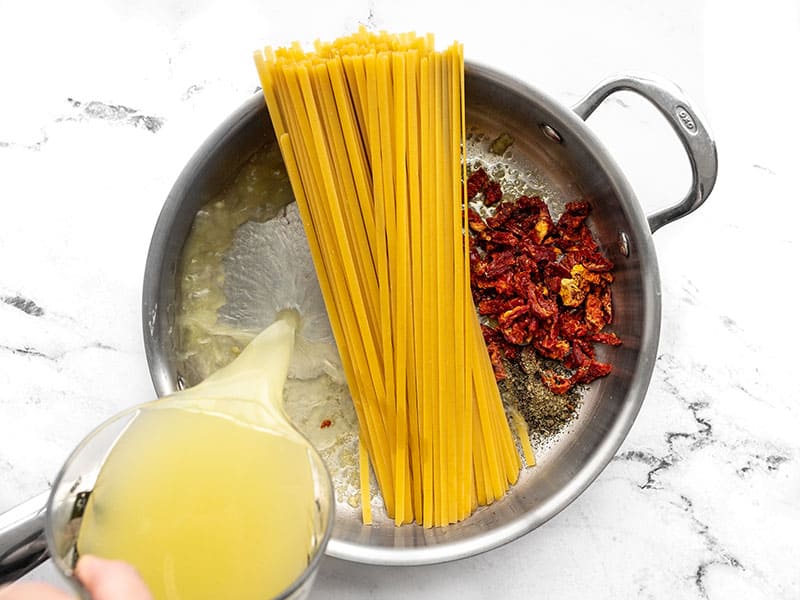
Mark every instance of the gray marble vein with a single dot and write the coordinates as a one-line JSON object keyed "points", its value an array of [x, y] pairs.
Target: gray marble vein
{"points": [[94, 109]]}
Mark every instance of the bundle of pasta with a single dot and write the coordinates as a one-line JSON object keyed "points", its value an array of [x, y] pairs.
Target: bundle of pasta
{"points": [[371, 128]]}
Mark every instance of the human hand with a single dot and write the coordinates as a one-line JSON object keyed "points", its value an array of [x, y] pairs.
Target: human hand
{"points": [[103, 579]]}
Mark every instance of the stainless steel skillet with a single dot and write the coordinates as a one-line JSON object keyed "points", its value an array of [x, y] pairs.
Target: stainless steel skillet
{"points": [[552, 145]]}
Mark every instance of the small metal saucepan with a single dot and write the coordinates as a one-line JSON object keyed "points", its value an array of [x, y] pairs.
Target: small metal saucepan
{"points": [[556, 143]]}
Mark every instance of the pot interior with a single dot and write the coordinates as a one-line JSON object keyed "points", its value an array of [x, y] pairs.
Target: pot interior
{"points": [[553, 153]]}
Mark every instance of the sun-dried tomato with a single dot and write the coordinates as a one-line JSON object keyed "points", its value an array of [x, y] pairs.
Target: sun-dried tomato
{"points": [[476, 224], [500, 263], [586, 372], [605, 337], [513, 323], [558, 384], [572, 326], [498, 348], [499, 238], [595, 317], [492, 193], [538, 252], [476, 182], [494, 306], [541, 282], [542, 306]]}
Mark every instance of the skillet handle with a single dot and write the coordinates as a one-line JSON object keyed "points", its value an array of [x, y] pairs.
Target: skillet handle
{"points": [[671, 102]]}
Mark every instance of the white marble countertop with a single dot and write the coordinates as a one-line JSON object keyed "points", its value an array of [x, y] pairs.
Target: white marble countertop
{"points": [[104, 101]]}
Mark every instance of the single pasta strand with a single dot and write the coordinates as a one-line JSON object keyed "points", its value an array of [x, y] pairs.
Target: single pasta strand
{"points": [[268, 87], [428, 335], [450, 232], [415, 321], [442, 307], [482, 488], [523, 434], [459, 305], [400, 291], [469, 348], [363, 473], [414, 425]]}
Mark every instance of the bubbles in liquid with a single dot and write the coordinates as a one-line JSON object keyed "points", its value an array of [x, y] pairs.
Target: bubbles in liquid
{"points": [[515, 174]]}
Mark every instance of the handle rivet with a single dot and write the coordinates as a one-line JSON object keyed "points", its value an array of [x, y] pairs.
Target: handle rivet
{"points": [[551, 133], [623, 243]]}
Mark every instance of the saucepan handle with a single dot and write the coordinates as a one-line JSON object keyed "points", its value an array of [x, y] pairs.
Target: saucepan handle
{"points": [[671, 102], [22, 541]]}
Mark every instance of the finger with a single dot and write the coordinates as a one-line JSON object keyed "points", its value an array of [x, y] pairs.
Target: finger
{"points": [[111, 579], [32, 591]]}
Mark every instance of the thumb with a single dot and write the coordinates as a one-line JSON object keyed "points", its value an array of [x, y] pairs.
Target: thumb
{"points": [[111, 579], [32, 591]]}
